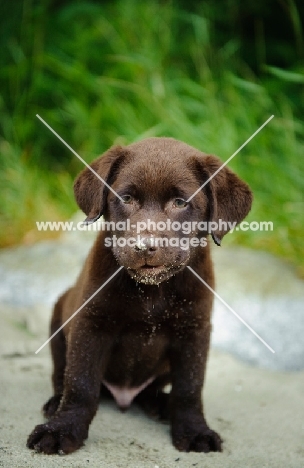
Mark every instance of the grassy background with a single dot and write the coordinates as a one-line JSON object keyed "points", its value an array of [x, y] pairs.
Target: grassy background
{"points": [[115, 72]]}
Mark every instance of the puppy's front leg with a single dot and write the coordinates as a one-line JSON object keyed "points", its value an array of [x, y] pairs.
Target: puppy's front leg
{"points": [[66, 431], [188, 356]]}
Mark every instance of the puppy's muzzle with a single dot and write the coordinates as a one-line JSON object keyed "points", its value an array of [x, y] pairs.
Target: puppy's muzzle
{"points": [[145, 244]]}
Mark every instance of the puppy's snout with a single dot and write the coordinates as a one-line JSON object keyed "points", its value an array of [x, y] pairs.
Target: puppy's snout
{"points": [[146, 245]]}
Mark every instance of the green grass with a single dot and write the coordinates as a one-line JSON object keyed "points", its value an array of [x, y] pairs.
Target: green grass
{"points": [[101, 75], [29, 195]]}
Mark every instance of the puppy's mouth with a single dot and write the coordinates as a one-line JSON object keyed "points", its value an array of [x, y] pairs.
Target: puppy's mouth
{"points": [[155, 274], [153, 269]]}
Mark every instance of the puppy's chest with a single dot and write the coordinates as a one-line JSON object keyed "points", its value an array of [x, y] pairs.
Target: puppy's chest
{"points": [[137, 355], [162, 309]]}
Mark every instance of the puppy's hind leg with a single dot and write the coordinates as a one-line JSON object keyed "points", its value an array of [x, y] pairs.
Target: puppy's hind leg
{"points": [[154, 401], [58, 351]]}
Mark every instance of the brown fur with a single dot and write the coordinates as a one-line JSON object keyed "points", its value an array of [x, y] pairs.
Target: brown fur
{"points": [[146, 321]]}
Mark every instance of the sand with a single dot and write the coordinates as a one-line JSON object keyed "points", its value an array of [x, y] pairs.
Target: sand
{"points": [[259, 414]]}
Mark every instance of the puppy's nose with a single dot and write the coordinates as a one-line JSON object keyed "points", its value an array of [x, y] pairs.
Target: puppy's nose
{"points": [[145, 244]]}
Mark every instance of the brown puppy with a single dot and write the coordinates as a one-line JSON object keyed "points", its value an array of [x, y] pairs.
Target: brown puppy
{"points": [[150, 325]]}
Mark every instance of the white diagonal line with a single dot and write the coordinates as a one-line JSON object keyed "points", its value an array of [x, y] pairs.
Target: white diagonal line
{"points": [[78, 310], [79, 157], [228, 160], [231, 310]]}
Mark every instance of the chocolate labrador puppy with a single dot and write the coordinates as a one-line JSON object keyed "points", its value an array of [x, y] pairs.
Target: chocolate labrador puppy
{"points": [[148, 326]]}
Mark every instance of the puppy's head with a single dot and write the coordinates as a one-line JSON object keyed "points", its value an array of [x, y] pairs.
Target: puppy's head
{"points": [[155, 180]]}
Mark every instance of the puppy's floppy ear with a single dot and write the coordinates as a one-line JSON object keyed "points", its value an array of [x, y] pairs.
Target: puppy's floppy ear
{"points": [[229, 197], [90, 192]]}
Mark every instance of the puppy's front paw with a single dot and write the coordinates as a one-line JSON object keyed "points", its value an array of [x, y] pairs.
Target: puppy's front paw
{"points": [[195, 437], [55, 437]]}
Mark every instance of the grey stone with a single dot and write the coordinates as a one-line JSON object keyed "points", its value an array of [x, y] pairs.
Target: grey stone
{"points": [[267, 294], [33, 277]]}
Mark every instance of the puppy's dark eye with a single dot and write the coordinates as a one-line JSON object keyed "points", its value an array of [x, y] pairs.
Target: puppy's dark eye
{"points": [[127, 198], [180, 203]]}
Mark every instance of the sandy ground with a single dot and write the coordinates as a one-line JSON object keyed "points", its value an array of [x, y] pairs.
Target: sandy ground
{"points": [[258, 413]]}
